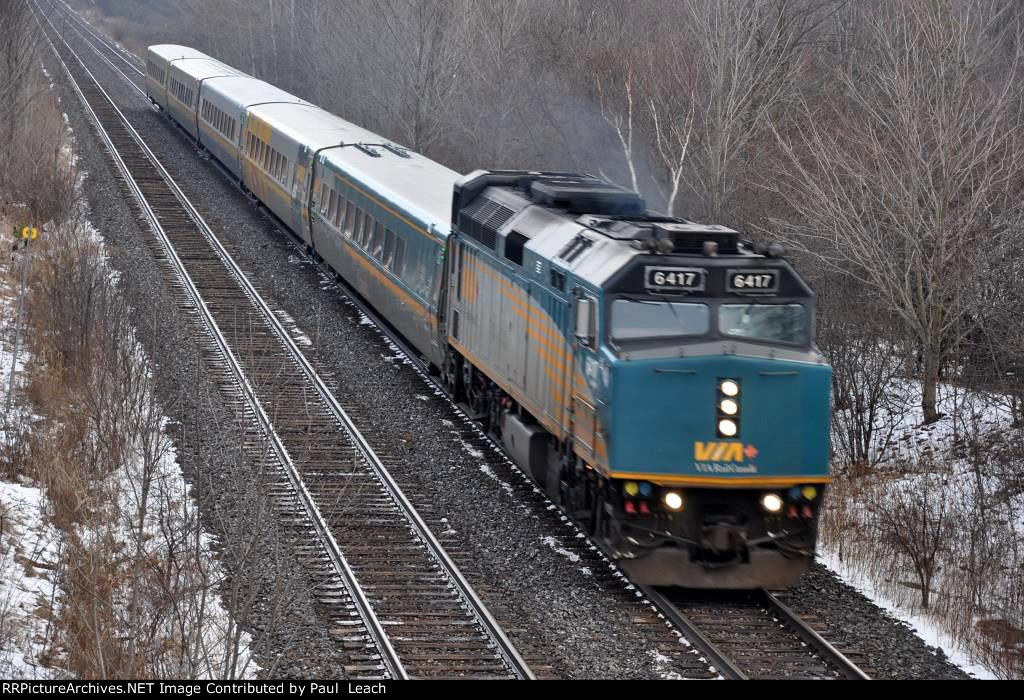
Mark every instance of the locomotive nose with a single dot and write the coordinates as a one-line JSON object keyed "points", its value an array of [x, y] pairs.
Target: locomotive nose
{"points": [[720, 417]]}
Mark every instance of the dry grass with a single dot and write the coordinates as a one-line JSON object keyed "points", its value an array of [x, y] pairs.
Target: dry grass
{"points": [[135, 578], [938, 545]]}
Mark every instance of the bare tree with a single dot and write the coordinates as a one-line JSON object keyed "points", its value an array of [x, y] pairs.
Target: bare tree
{"points": [[726, 77], [18, 52], [915, 518], [905, 178], [864, 368]]}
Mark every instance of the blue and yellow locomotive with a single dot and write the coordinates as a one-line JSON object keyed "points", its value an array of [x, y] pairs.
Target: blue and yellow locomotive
{"points": [[657, 377]]}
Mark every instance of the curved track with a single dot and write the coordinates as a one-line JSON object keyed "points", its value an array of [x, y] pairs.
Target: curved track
{"points": [[395, 574]]}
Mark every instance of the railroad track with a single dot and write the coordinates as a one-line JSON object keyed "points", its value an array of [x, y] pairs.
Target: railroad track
{"points": [[132, 64], [756, 636], [396, 597]]}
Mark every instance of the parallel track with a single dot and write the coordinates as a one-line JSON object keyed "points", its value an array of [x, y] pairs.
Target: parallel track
{"points": [[133, 64], [391, 560]]}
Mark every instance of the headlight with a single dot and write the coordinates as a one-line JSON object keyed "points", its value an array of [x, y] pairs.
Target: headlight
{"points": [[673, 500], [729, 407], [772, 502], [727, 427], [729, 388]]}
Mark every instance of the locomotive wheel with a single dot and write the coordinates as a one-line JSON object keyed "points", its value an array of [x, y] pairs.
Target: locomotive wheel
{"points": [[553, 482]]}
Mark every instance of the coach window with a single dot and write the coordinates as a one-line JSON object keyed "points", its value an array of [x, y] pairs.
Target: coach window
{"points": [[378, 241], [333, 209], [399, 256], [342, 206], [357, 230], [367, 230], [389, 247], [350, 216]]}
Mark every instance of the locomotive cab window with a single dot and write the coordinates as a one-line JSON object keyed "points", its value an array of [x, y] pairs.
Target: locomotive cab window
{"points": [[641, 319], [776, 323]]}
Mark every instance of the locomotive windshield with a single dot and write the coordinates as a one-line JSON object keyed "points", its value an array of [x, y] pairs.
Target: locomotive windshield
{"points": [[636, 319], [779, 323]]}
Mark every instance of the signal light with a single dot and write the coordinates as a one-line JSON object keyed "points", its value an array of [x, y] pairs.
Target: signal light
{"points": [[646, 489], [728, 408], [631, 488], [809, 492], [630, 508], [645, 509]]}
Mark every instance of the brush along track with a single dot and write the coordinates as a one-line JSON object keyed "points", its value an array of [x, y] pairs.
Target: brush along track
{"points": [[435, 623]]}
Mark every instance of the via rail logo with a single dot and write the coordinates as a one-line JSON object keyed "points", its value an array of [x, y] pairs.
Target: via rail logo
{"points": [[724, 457]]}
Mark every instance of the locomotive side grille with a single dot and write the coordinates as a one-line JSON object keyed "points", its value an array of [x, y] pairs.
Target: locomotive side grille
{"points": [[482, 219]]}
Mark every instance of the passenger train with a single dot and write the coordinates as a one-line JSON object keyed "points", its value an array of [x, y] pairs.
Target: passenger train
{"points": [[658, 378]]}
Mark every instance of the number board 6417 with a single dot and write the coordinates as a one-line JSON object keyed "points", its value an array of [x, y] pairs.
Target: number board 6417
{"points": [[683, 279], [752, 281]]}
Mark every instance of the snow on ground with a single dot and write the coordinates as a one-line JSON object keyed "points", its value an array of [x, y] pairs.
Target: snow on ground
{"points": [[293, 329], [172, 518], [557, 547], [936, 467], [29, 552], [28, 544], [922, 625], [29, 549], [663, 665], [507, 487]]}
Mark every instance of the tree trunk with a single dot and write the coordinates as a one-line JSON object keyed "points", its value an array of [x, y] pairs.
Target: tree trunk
{"points": [[931, 382]]}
